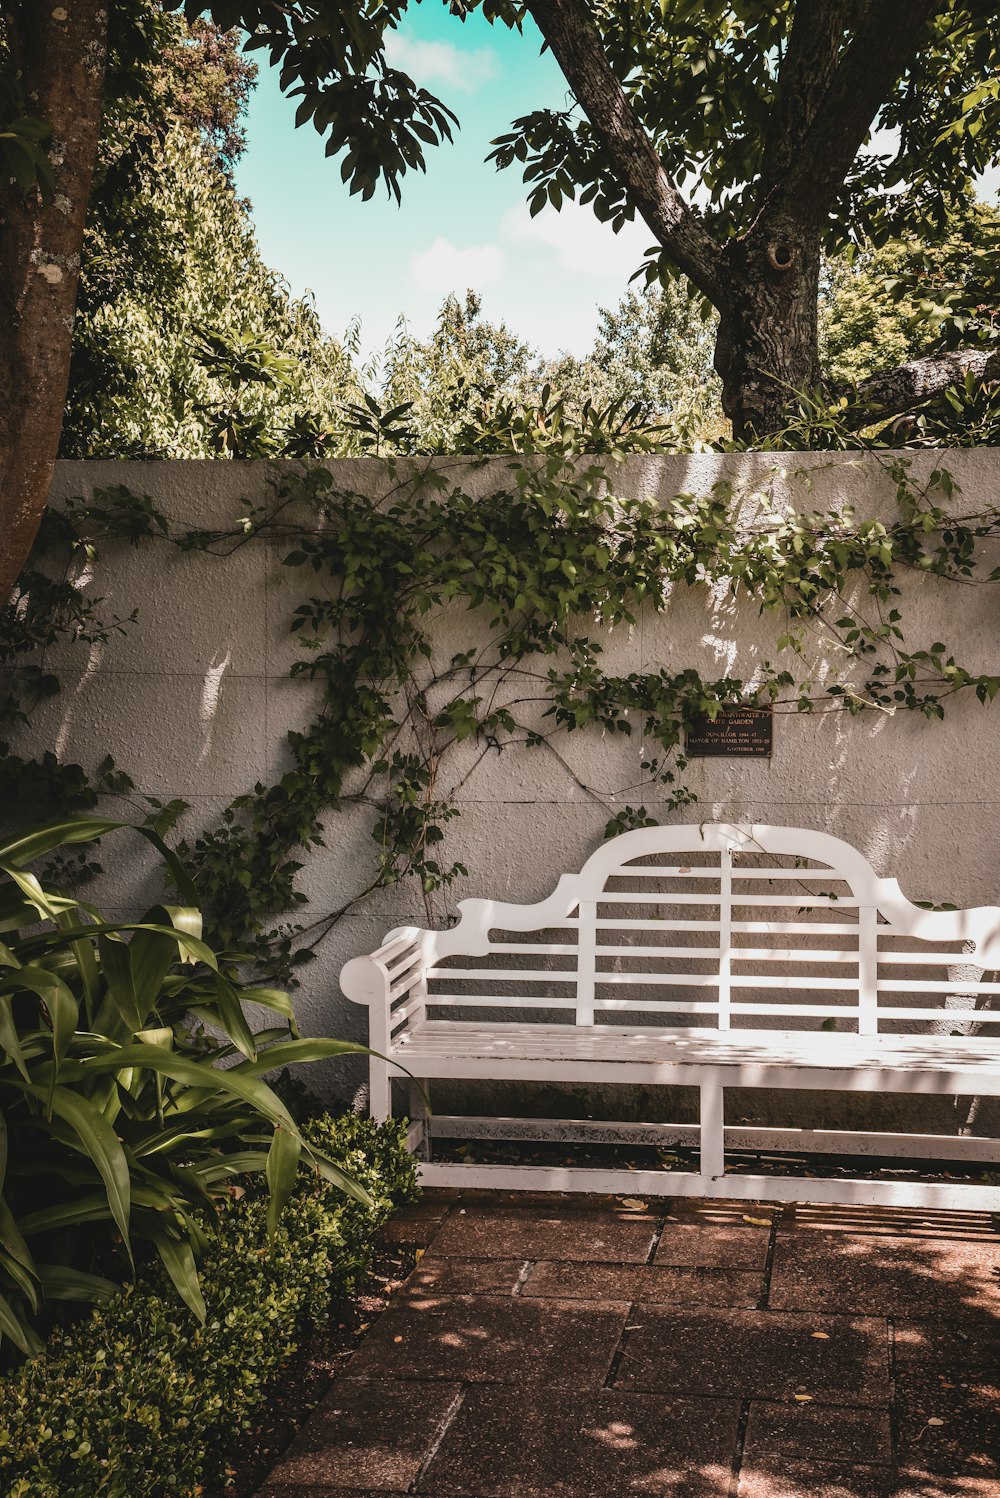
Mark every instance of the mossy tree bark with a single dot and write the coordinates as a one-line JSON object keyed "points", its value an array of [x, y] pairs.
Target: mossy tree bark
{"points": [[60, 52]]}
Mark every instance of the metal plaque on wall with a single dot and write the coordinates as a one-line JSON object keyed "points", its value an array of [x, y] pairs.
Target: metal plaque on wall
{"points": [[737, 731]]}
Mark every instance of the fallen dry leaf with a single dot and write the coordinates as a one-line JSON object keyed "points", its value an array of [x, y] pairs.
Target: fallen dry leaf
{"points": [[820, 1336], [802, 1398], [634, 1204], [935, 1421], [418, 1254], [758, 1222]]}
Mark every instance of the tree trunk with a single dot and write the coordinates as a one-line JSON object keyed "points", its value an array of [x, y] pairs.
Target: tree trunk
{"points": [[61, 51], [767, 350]]}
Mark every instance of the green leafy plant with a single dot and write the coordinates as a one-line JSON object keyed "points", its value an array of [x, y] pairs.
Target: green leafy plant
{"points": [[136, 1401], [123, 1123]]}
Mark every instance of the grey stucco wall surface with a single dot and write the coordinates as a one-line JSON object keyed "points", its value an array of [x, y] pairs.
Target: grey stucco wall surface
{"points": [[195, 701]]}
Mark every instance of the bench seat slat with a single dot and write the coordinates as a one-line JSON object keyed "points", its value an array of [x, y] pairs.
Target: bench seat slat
{"points": [[697, 1047]]}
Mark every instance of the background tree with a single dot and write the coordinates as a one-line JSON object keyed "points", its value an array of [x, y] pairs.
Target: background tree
{"points": [[445, 379], [186, 344], [654, 348], [913, 296]]}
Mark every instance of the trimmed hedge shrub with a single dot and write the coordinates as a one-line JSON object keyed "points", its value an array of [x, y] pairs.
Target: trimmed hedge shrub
{"points": [[138, 1400]]}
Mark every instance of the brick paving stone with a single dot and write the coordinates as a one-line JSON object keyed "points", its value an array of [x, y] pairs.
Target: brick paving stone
{"points": [[545, 1234], [756, 1355], [681, 1287], [794, 1479], [948, 1396], [605, 1444], [707, 1244], [469, 1277], [411, 1232], [494, 1339], [919, 1484], [779, 1478], [947, 1349], [417, 1223], [878, 1274], [817, 1432], [369, 1434]]}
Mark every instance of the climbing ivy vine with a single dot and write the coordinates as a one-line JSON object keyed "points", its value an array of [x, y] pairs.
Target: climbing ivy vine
{"points": [[542, 566]]}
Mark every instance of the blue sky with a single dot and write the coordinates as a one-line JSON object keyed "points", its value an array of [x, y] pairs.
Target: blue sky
{"points": [[462, 224]]}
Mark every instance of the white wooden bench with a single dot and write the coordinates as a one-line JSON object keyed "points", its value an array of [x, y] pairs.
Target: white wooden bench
{"points": [[712, 957]]}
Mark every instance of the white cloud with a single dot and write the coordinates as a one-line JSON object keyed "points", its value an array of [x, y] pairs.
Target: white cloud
{"points": [[444, 268], [440, 62], [581, 243]]}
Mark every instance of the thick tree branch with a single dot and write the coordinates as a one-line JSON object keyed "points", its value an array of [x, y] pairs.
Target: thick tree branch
{"points": [[577, 47], [807, 70], [895, 391], [63, 51], [885, 43]]}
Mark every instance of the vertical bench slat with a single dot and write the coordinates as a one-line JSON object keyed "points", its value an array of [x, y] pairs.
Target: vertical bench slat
{"points": [[586, 960], [867, 970], [725, 936]]}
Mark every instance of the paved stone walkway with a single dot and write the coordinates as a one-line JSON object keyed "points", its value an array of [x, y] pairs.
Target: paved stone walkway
{"points": [[559, 1347]]}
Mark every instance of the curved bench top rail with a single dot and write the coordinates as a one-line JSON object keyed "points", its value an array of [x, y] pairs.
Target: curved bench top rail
{"points": [[979, 925], [709, 900]]}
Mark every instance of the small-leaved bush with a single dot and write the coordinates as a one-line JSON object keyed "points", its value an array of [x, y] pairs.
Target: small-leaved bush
{"points": [[139, 1400]]}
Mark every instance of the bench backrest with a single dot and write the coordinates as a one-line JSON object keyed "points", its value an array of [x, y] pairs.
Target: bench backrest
{"points": [[721, 926]]}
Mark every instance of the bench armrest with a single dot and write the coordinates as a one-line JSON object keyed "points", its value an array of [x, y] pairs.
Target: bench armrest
{"points": [[385, 975]]}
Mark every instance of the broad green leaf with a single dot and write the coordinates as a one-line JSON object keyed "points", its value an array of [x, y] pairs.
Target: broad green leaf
{"points": [[10, 1040], [18, 1330], [12, 1239], [116, 965], [57, 998], [315, 1048], [152, 956], [282, 1168], [178, 1260], [32, 845], [48, 941], [195, 1074], [26, 1282], [86, 964], [161, 1036], [233, 1019], [242, 1162], [101, 1144], [90, 1208], [59, 1282], [48, 906], [276, 999], [186, 918]]}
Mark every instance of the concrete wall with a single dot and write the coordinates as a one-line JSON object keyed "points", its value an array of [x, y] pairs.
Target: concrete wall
{"points": [[196, 700]]}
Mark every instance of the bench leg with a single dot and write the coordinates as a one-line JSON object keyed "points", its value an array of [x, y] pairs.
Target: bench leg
{"points": [[419, 1135], [379, 1093], [712, 1163]]}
